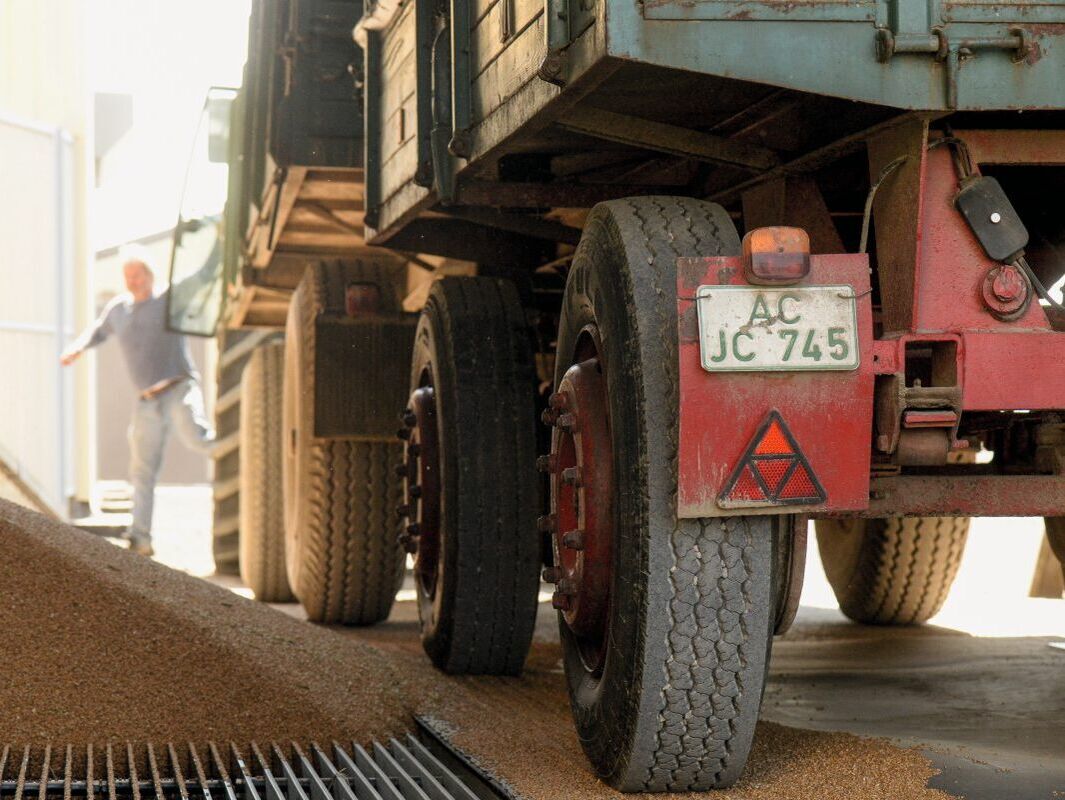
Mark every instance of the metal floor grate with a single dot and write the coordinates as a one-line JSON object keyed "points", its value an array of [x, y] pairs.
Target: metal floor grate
{"points": [[400, 770]]}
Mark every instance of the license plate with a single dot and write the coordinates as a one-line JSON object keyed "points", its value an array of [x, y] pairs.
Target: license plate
{"points": [[753, 329]]}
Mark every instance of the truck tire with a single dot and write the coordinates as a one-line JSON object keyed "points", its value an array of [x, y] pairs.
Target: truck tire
{"points": [[894, 571], [667, 683], [262, 522], [1055, 528], [472, 453], [234, 349], [342, 547]]}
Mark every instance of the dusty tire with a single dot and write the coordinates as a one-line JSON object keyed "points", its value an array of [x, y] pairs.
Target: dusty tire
{"points": [[894, 571], [342, 553], [1055, 528], [672, 706], [234, 349], [262, 523], [477, 567]]}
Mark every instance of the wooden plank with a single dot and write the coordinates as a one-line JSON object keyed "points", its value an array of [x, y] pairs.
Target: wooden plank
{"points": [[506, 74], [331, 191], [395, 134], [663, 138], [486, 41], [275, 224], [399, 168]]}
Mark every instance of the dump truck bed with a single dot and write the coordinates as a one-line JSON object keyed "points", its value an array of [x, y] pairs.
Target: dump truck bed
{"points": [[744, 86]]}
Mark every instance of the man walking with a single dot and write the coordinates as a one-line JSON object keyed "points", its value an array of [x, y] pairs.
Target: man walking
{"points": [[161, 368]]}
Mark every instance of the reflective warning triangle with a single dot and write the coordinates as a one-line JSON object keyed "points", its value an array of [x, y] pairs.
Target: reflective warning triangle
{"points": [[773, 471]]}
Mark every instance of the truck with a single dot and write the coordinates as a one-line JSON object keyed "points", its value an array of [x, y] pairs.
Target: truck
{"points": [[650, 285]]}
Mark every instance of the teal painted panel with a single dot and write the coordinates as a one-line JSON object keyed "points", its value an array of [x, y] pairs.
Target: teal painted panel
{"points": [[838, 59], [1018, 11], [762, 10]]}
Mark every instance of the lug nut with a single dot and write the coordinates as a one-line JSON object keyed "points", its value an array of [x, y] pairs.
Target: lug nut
{"points": [[546, 523], [414, 491], [551, 574], [571, 476], [403, 433], [548, 463], [574, 539], [560, 602], [567, 586], [567, 423], [558, 400]]}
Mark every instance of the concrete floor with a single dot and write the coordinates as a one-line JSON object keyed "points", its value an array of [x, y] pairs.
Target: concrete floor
{"points": [[981, 690]]}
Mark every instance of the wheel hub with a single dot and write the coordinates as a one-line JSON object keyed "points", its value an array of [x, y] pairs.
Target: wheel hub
{"points": [[421, 487], [582, 500]]}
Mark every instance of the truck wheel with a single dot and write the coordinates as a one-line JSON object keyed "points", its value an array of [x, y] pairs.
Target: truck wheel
{"points": [[262, 528], [1055, 528], [666, 623], [894, 571], [234, 349], [342, 551], [472, 490]]}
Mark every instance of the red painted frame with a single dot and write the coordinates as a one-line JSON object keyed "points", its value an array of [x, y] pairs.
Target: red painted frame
{"points": [[1001, 365]]}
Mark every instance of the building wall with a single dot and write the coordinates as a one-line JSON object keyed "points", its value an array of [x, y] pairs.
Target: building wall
{"points": [[43, 85]]}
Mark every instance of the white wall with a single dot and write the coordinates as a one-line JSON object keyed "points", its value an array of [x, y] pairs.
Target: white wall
{"points": [[37, 235]]}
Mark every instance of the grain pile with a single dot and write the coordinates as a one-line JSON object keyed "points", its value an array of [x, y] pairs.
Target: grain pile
{"points": [[100, 645]]}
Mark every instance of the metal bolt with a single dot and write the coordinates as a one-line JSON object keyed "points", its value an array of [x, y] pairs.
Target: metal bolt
{"points": [[548, 463], [1008, 285], [551, 574], [996, 218], [567, 423], [572, 476], [574, 539], [560, 602], [546, 523], [414, 491], [403, 433]]}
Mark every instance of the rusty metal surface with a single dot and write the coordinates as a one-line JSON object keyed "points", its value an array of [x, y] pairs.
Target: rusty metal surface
{"points": [[829, 413], [581, 477], [1042, 147], [967, 496]]}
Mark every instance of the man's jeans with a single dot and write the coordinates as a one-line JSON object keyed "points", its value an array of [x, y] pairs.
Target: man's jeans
{"points": [[179, 407]]}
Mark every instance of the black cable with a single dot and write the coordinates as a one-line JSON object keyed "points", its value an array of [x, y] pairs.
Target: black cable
{"points": [[1040, 289]]}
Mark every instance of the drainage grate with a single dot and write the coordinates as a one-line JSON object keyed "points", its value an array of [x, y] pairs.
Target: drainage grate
{"points": [[400, 770]]}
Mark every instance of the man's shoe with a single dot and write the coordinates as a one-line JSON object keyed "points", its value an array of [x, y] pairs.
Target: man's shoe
{"points": [[138, 544], [142, 547]]}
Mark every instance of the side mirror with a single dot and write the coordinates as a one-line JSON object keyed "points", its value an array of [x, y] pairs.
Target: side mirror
{"points": [[218, 117]]}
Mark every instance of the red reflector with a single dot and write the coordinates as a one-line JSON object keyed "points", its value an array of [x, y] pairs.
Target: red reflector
{"points": [[773, 471]]}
